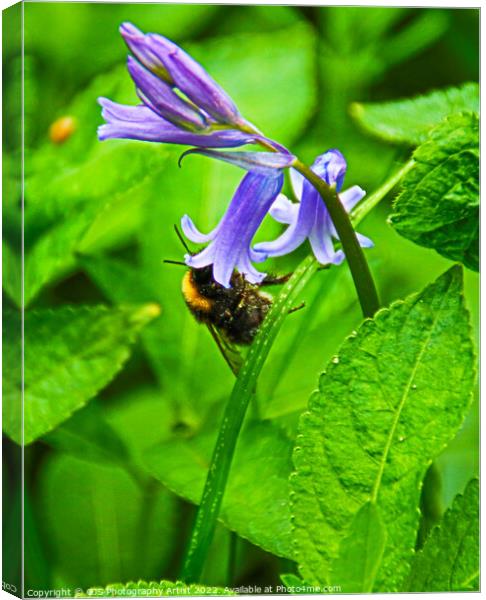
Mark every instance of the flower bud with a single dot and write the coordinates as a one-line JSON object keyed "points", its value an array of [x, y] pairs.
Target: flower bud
{"points": [[138, 43], [159, 96], [169, 62], [191, 79]]}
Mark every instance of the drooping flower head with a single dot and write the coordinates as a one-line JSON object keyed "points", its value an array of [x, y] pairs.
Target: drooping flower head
{"points": [[310, 219], [181, 103]]}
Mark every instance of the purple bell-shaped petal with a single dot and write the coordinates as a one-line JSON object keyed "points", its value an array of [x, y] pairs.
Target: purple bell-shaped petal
{"points": [[310, 219], [230, 242]]}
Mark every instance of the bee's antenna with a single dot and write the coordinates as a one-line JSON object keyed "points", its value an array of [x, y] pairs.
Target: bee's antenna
{"points": [[183, 241], [175, 262]]}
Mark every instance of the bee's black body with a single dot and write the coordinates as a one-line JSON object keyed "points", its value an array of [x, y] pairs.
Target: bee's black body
{"points": [[237, 311]]}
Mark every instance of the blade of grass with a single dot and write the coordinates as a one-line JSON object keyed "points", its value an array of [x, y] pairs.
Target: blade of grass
{"points": [[233, 419]]}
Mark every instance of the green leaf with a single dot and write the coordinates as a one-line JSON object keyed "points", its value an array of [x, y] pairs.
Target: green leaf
{"points": [[290, 580], [257, 512], [296, 585], [153, 589], [103, 527], [141, 418], [113, 168], [12, 273], [387, 404], [439, 205], [12, 193], [64, 215], [371, 40], [409, 121], [54, 254], [118, 280], [299, 353], [449, 560], [360, 552], [411, 40], [118, 220], [12, 372], [122, 282], [70, 354], [88, 435], [52, 181]]}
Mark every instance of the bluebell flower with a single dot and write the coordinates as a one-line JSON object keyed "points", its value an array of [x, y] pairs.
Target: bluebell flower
{"points": [[166, 60], [230, 242], [309, 219], [181, 103]]}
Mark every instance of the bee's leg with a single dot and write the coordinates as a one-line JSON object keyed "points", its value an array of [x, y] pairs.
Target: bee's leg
{"points": [[275, 280], [269, 280], [296, 308]]}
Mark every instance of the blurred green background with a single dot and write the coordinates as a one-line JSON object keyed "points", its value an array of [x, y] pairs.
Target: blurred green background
{"points": [[98, 225]]}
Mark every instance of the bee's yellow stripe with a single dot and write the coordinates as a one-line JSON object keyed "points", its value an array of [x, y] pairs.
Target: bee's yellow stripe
{"points": [[192, 295]]}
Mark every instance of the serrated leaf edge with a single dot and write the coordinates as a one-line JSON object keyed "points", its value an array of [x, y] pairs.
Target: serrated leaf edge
{"points": [[379, 315]]}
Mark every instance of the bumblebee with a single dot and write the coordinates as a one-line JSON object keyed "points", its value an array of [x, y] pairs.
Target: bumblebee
{"points": [[237, 311], [233, 315]]}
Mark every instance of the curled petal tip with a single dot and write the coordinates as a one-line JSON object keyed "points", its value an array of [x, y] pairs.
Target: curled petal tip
{"points": [[102, 133], [183, 156], [364, 241], [192, 232], [258, 256], [253, 278]]}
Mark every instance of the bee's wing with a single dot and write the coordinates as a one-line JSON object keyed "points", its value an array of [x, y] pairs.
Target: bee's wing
{"points": [[229, 351]]}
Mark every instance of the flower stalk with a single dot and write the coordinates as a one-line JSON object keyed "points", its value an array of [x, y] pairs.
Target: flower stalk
{"points": [[360, 271]]}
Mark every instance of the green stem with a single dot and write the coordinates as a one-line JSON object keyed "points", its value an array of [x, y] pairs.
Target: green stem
{"points": [[360, 271], [233, 419], [360, 212]]}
